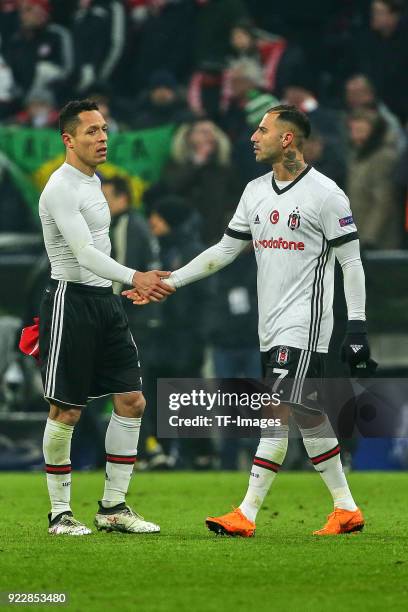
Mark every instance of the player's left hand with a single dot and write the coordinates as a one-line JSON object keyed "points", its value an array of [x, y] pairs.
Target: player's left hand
{"points": [[137, 298], [140, 300], [355, 350]]}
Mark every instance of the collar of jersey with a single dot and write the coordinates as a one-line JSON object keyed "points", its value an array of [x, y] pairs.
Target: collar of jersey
{"points": [[79, 174], [297, 179]]}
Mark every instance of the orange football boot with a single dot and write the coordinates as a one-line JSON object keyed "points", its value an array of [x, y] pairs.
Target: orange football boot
{"points": [[342, 521], [233, 524]]}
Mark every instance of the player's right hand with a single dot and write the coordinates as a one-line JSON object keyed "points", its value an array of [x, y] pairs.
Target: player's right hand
{"points": [[149, 285]]}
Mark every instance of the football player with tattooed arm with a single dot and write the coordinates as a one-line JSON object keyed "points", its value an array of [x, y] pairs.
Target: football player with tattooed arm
{"points": [[299, 221]]}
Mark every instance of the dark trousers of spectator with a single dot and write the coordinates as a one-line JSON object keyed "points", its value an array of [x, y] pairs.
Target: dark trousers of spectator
{"points": [[236, 363]]}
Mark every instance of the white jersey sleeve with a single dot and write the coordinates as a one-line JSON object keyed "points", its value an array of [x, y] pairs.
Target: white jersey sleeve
{"points": [[336, 219], [239, 226], [208, 262], [349, 258], [64, 208]]}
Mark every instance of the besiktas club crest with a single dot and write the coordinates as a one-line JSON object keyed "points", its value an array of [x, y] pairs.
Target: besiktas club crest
{"points": [[294, 219], [283, 355]]}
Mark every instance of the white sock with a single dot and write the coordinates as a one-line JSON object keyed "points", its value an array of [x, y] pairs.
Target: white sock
{"points": [[57, 453], [324, 452], [268, 459], [121, 441]]}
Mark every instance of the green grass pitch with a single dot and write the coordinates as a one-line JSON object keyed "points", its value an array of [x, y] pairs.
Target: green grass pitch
{"points": [[186, 568]]}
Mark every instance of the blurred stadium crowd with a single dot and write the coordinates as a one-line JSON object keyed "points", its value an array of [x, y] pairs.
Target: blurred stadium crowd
{"points": [[211, 68]]}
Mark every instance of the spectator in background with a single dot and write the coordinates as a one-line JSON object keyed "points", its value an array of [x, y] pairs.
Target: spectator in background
{"points": [[8, 103], [134, 245], [401, 183], [200, 171], [267, 61], [214, 20], [248, 118], [370, 181], [160, 104], [39, 110], [63, 11], [327, 122], [245, 83], [99, 33], [382, 54], [278, 59], [180, 352], [39, 53], [360, 94], [103, 100], [161, 38], [9, 23], [8, 19], [325, 158], [15, 213], [233, 334]]}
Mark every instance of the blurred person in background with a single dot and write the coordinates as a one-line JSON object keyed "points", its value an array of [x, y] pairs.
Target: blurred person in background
{"points": [[360, 94], [15, 213], [133, 245], [370, 181], [302, 92], [184, 336], [200, 165], [401, 182], [8, 25], [40, 52], [8, 102], [212, 27], [257, 104], [39, 110], [243, 46], [161, 37], [99, 34], [255, 59], [381, 53], [8, 19], [278, 59], [233, 334], [160, 104], [214, 21], [325, 158], [103, 100], [245, 82]]}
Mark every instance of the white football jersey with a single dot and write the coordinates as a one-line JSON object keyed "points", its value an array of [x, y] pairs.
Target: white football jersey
{"points": [[293, 230], [75, 193]]}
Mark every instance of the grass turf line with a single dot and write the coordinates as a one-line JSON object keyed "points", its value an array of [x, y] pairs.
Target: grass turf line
{"points": [[188, 568]]}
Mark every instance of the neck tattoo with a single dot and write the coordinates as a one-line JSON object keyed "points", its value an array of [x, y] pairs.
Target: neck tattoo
{"points": [[291, 163]]}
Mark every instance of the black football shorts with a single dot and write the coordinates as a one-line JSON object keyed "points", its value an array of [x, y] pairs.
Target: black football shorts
{"points": [[86, 347], [297, 375]]}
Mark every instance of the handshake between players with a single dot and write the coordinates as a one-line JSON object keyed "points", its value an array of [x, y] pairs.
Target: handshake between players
{"points": [[149, 287]]}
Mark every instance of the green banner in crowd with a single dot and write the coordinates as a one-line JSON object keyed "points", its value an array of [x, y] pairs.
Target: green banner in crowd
{"points": [[33, 154]]}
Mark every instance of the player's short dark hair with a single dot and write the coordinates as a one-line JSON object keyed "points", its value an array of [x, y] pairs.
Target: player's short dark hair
{"points": [[120, 186], [292, 115], [68, 118]]}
